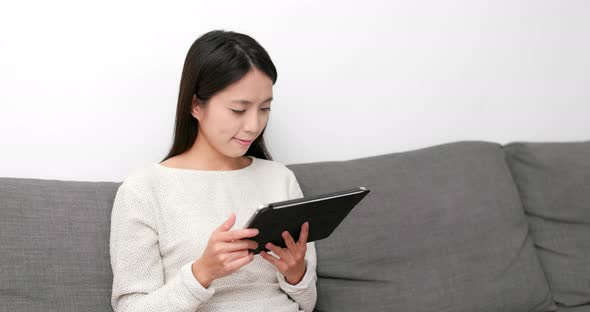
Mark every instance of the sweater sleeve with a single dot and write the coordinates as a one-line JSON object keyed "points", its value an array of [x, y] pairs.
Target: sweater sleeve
{"points": [[304, 293], [138, 271]]}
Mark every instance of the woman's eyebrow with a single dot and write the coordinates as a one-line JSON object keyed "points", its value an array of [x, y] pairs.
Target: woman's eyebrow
{"points": [[250, 102]]}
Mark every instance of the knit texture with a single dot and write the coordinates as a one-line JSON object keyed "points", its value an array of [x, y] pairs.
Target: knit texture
{"points": [[161, 221]]}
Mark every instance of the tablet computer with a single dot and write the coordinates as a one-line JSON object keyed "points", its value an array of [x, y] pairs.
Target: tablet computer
{"points": [[324, 213]]}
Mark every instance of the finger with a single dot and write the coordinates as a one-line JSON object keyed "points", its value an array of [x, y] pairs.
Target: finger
{"points": [[238, 234], [289, 241], [277, 250], [236, 255], [274, 261], [240, 262], [304, 233], [238, 245], [225, 226]]}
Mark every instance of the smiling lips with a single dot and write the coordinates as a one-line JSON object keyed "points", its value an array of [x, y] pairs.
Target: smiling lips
{"points": [[244, 142]]}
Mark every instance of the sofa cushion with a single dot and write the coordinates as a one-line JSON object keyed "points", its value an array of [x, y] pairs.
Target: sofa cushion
{"points": [[442, 230], [554, 183], [583, 308], [54, 240]]}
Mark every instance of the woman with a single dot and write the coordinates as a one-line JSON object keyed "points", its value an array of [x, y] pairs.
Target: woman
{"points": [[177, 239]]}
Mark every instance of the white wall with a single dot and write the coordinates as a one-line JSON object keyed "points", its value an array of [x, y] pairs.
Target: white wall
{"points": [[88, 89]]}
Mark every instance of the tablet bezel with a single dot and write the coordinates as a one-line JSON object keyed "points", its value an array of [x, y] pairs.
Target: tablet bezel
{"points": [[359, 192]]}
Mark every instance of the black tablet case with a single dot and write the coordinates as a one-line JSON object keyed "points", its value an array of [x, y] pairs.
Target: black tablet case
{"points": [[323, 216]]}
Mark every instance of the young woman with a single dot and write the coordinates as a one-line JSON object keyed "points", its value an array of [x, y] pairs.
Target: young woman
{"points": [[177, 240]]}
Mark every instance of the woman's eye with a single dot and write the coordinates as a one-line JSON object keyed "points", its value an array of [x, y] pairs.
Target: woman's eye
{"points": [[241, 111]]}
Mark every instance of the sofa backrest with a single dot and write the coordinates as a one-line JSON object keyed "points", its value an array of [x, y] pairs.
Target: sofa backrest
{"points": [[442, 230], [554, 184], [54, 245]]}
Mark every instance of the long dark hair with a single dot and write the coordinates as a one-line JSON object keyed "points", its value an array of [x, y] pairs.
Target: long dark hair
{"points": [[214, 61]]}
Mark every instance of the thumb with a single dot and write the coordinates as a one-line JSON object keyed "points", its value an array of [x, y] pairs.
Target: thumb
{"points": [[228, 223]]}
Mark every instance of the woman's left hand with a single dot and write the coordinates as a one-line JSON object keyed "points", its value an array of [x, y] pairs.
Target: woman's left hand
{"points": [[291, 261]]}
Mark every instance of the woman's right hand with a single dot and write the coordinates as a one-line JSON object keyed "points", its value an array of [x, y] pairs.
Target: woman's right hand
{"points": [[226, 252]]}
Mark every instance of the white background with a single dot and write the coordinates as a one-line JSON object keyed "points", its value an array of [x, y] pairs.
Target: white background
{"points": [[88, 90]]}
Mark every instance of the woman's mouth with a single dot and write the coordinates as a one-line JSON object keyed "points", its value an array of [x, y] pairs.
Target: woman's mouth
{"points": [[244, 142]]}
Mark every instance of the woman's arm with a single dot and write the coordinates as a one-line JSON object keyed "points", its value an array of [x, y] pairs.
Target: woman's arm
{"points": [[304, 293], [138, 271]]}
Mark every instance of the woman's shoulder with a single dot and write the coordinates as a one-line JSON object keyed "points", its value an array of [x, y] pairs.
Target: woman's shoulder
{"points": [[274, 166], [147, 177], [280, 173], [140, 179]]}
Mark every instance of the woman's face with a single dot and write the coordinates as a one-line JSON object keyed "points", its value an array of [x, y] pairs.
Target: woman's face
{"points": [[240, 111]]}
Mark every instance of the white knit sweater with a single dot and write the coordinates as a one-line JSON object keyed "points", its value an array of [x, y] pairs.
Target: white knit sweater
{"points": [[161, 221]]}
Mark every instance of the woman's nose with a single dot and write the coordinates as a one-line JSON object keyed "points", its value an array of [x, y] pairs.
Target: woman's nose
{"points": [[252, 123]]}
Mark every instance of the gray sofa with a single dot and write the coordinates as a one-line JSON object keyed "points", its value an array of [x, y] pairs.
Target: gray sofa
{"points": [[463, 226]]}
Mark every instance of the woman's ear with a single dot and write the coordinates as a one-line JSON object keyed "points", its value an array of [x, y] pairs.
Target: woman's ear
{"points": [[196, 108]]}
